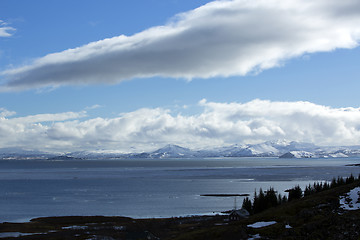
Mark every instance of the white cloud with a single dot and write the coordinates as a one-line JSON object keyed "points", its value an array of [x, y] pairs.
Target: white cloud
{"points": [[6, 31], [40, 118], [221, 38], [93, 107], [31, 131], [217, 124], [5, 113]]}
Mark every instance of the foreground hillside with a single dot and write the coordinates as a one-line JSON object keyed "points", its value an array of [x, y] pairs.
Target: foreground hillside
{"points": [[318, 216]]}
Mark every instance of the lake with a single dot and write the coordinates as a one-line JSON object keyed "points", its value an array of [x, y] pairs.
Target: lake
{"points": [[148, 188]]}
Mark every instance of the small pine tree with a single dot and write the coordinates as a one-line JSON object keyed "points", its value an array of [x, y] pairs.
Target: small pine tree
{"points": [[262, 202], [308, 190], [255, 205], [340, 181], [247, 204], [279, 199], [350, 179], [317, 186], [270, 198], [333, 183], [295, 193], [326, 186], [259, 202]]}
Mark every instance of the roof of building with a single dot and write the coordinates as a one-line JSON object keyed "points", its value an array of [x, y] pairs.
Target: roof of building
{"points": [[240, 212]]}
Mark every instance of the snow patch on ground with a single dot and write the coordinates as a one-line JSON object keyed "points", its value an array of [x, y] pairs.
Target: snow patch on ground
{"points": [[252, 237], [261, 224], [16, 234], [75, 227], [10, 234], [287, 226], [351, 201]]}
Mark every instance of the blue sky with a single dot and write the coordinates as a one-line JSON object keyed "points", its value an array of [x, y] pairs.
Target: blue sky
{"points": [[191, 79]]}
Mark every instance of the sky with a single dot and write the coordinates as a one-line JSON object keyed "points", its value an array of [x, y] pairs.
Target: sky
{"points": [[133, 76]]}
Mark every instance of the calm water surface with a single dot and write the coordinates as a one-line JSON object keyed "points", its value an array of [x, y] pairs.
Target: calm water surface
{"points": [[149, 188]]}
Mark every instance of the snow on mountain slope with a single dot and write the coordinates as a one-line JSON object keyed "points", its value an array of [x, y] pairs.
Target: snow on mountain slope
{"points": [[298, 154], [19, 153], [172, 151], [282, 148], [337, 155]]}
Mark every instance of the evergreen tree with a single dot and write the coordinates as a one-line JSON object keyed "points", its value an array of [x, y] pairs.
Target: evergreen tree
{"points": [[333, 183], [255, 205], [247, 205], [326, 186], [308, 190], [350, 179], [279, 199], [317, 186], [295, 193], [340, 181], [270, 198]]}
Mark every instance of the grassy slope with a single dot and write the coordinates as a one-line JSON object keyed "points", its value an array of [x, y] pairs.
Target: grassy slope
{"points": [[313, 217]]}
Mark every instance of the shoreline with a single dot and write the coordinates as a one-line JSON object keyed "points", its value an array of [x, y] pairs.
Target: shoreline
{"points": [[317, 216], [31, 219]]}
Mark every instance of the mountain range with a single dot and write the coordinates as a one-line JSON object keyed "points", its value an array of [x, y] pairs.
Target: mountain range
{"points": [[282, 149]]}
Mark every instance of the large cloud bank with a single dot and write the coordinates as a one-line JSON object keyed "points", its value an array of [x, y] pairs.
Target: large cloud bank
{"points": [[217, 124], [221, 38]]}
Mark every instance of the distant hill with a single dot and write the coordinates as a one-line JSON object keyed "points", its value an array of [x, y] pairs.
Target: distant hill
{"points": [[21, 154], [283, 149]]}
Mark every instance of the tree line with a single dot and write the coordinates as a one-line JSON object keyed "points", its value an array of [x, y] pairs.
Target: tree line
{"points": [[270, 198]]}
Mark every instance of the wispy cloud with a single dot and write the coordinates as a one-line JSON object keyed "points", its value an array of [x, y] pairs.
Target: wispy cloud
{"points": [[5, 113], [221, 38], [216, 124], [93, 107], [49, 117], [6, 31]]}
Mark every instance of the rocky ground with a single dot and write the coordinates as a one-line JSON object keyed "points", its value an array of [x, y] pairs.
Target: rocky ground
{"points": [[319, 216]]}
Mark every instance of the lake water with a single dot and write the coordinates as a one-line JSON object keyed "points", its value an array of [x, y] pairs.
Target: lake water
{"points": [[149, 188]]}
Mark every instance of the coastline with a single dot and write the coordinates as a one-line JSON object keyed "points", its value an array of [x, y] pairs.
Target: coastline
{"points": [[318, 216], [115, 188]]}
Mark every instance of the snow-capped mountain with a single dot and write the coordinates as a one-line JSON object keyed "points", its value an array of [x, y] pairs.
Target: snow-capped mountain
{"points": [[266, 149], [284, 149], [19, 153], [172, 151], [286, 146]]}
